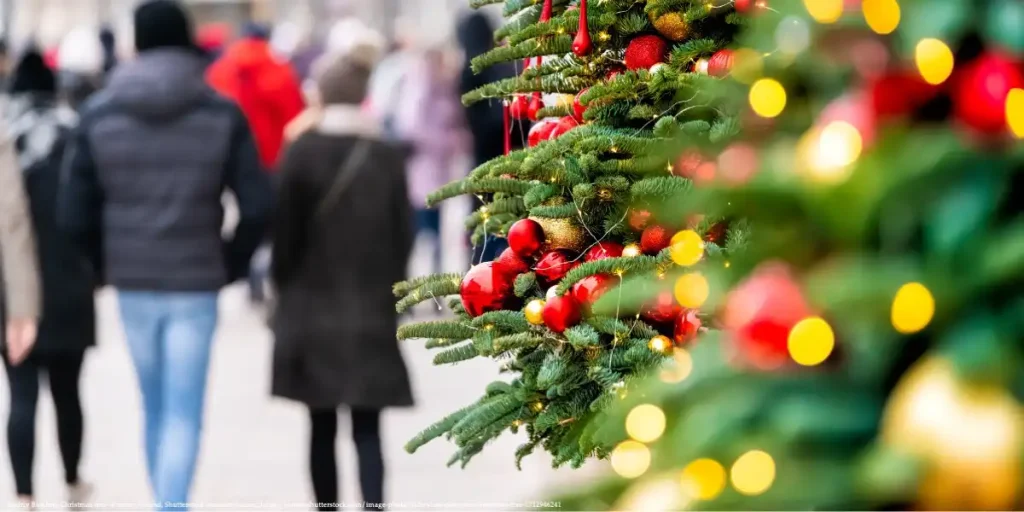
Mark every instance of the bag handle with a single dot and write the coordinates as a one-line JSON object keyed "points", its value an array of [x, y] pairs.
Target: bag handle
{"points": [[343, 179]]}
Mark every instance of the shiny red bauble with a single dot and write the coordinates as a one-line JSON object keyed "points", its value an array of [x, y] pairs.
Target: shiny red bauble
{"points": [[720, 63], [639, 219], [979, 97], [562, 127], [645, 51], [553, 266], [519, 107], [508, 262], [655, 239], [898, 94], [586, 291], [485, 289], [581, 44], [561, 313], [686, 328], [761, 311], [663, 310], [525, 238], [578, 109], [603, 250], [716, 235], [536, 103], [743, 5], [541, 131]]}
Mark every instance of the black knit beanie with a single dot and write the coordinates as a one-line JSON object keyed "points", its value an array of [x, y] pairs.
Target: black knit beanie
{"points": [[32, 75], [162, 24]]}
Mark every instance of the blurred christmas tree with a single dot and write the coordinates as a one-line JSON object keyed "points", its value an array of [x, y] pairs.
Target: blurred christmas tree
{"points": [[611, 85], [868, 350]]}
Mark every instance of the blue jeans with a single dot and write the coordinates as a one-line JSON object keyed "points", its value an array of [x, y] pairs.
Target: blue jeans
{"points": [[169, 337]]}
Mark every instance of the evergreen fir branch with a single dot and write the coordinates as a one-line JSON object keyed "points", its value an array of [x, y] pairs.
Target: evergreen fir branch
{"points": [[556, 111], [438, 429], [610, 326], [405, 287], [526, 284], [562, 211], [517, 341], [661, 188], [502, 321], [632, 23], [692, 50], [487, 412], [439, 342], [476, 4], [431, 290], [696, 127], [511, 205], [518, 85], [615, 266], [514, 6], [552, 66], [697, 12], [498, 387], [456, 354], [455, 305], [582, 336], [552, 370], [525, 449], [480, 186], [465, 454], [539, 194], [483, 342], [557, 45], [519, 21], [437, 329], [606, 378]]}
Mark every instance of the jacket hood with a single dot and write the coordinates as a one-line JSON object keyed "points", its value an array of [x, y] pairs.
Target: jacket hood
{"points": [[160, 83], [249, 54]]}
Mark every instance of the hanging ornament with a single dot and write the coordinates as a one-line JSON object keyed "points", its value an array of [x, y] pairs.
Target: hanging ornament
{"points": [[545, 12], [755, 6], [519, 108], [587, 290], [578, 109], [603, 250], [654, 239], [541, 131], [760, 313], [536, 104], [581, 45], [525, 238], [672, 25], [720, 63], [686, 327], [562, 233], [645, 51], [979, 98], [660, 345], [639, 219], [701, 66], [663, 309], [511, 263], [534, 312], [485, 289], [561, 313], [552, 267], [563, 126], [898, 94]]}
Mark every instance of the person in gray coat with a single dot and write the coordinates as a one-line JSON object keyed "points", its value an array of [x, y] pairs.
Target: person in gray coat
{"points": [[152, 156], [342, 237]]}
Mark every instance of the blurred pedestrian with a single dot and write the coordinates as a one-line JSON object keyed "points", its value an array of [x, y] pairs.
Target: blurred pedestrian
{"points": [[80, 65], [149, 162], [109, 42], [429, 117], [40, 128], [335, 320]]}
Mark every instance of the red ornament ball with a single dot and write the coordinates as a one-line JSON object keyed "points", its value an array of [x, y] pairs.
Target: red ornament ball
{"points": [[688, 164], [578, 109], [485, 289], [511, 263], [761, 311], [716, 234], [655, 239], [525, 238], [663, 310], [645, 51], [743, 5], [720, 63], [561, 313], [639, 219], [587, 290], [541, 131], [553, 266], [686, 327], [519, 107], [614, 72], [979, 98], [604, 250], [536, 103], [898, 94], [562, 127]]}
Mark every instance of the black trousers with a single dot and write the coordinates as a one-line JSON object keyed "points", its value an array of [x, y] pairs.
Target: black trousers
{"points": [[323, 463], [63, 373]]}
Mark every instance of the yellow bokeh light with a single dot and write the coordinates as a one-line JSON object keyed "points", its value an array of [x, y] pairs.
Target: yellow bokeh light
{"points": [[913, 308], [692, 290], [767, 97], [934, 60], [645, 423], [883, 16], [1015, 112], [703, 479], [687, 248], [811, 341], [753, 473], [678, 368], [824, 11], [630, 459], [828, 153]]}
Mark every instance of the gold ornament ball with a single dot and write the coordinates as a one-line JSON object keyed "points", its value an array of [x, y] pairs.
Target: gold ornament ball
{"points": [[535, 312], [661, 345], [968, 436], [671, 25], [537, 406], [562, 234]]}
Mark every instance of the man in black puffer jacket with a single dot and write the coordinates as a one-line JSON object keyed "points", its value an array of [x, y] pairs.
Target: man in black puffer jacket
{"points": [[150, 160]]}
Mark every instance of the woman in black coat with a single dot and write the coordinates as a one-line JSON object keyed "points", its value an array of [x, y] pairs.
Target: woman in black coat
{"points": [[39, 128], [342, 240]]}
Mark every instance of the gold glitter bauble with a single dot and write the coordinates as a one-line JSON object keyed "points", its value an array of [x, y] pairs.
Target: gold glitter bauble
{"points": [[671, 25], [535, 312], [968, 437], [562, 234]]}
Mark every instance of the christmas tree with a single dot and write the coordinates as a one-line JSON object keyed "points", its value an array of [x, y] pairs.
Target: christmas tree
{"points": [[868, 349], [611, 85]]}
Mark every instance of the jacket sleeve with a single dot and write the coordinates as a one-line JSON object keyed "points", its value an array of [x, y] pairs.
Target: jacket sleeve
{"points": [[290, 221], [251, 186], [290, 102], [80, 198], [17, 243]]}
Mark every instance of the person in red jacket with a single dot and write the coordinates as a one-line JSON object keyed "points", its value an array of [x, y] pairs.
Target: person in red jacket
{"points": [[265, 88]]}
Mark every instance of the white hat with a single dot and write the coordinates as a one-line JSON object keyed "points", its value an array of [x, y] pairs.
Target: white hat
{"points": [[81, 52]]}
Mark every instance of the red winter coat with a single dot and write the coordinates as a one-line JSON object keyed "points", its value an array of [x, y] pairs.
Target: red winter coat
{"points": [[264, 88]]}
